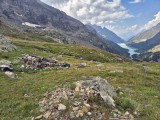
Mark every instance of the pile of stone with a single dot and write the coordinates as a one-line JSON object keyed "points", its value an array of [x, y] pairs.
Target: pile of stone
{"points": [[36, 62], [82, 102], [117, 115]]}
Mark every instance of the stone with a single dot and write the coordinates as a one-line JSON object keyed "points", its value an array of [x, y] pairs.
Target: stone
{"points": [[47, 114], [36, 62], [6, 65], [82, 64], [100, 65], [116, 71], [76, 103], [61, 107], [87, 105], [39, 117], [11, 74], [103, 87], [77, 89], [75, 108], [89, 113], [80, 113], [126, 113]]}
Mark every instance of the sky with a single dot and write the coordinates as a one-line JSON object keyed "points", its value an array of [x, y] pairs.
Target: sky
{"points": [[124, 17]]}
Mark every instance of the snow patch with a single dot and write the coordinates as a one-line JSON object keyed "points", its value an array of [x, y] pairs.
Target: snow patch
{"points": [[30, 24]]}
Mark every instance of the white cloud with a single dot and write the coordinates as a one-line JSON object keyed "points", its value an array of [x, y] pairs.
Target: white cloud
{"points": [[153, 22], [125, 32], [97, 12], [136, 1]]}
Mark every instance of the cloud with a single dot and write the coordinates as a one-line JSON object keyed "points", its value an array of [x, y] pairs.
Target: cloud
{"points": [[135, 1], [97, 12], [153, 22], [125, 31]]}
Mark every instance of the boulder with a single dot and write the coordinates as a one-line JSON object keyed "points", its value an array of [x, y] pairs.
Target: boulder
{"points": [[102, 86], [11, 74], [5, 66]]}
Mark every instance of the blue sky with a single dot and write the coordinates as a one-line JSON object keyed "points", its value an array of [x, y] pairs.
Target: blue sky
{"points": [[124, 17]]}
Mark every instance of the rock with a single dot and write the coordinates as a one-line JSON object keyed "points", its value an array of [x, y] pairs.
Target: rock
{"points": [[127, 113], [61, 107], [75, 108], [76, 103], [100, 65], [6, 45], [39, 117], [77, 89], [11, 74], [116, 71], [5, 66], [89, 113], [36, 62], [87, 105], [26, 96], [47, 114], [102, 86], [82, 64], [80, 113]]}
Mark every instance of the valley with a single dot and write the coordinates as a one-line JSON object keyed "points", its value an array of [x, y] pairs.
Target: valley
{"points": [[67, 65]]}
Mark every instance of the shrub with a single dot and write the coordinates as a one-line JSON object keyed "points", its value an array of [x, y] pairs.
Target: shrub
{"points": [[125, 103]]}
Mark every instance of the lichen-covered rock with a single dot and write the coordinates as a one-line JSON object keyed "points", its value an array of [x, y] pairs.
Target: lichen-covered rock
{"points": [[100, 85]]}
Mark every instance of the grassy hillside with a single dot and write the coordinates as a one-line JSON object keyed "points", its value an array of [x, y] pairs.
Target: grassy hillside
{"points": [[140, 85]]}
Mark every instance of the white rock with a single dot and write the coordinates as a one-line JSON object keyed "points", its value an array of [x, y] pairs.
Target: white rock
{"points": [[61, 107], [89, 113], [82, 64], [11, 74]]}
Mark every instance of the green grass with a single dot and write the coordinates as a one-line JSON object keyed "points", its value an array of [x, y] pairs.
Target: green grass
{"points": [[141, 88]]}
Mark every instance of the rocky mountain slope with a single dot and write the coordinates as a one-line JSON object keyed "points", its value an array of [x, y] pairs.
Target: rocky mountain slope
{"points": [[146, 40], [107, 34], [35, 17]]}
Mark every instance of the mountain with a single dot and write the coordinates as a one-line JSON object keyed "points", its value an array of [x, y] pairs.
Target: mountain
{"points": [[35, 18], [107, 34], [146, 40]]}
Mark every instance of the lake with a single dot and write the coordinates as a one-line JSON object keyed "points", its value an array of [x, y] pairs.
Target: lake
{"points": [[131, 51]]}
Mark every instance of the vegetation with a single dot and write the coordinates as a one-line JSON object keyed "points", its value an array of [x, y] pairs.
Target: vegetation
{"points": [[140, 88]]}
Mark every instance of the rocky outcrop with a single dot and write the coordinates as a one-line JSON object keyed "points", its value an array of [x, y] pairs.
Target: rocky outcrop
{"points": [[80, 100], [101, 86], [36, 62], [6, 45]]}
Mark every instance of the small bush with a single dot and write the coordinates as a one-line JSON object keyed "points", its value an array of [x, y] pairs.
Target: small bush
{"points": [[125, 103]]}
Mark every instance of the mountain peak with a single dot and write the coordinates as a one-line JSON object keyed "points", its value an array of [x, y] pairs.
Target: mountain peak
{"points": [[108, 34]]}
